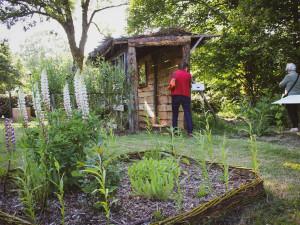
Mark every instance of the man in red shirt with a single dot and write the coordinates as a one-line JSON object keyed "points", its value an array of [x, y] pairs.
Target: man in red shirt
{"points": [[180, 86]]}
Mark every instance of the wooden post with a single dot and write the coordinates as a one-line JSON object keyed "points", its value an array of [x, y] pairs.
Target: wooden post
{"points": [[186, 53], [133, 92], [186, 59]]}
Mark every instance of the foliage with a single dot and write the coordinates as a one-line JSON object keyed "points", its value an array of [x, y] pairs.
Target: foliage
{"points": [[99, 173], [263, 115], [32, 185], [62, 12], [60, 191], [66, 141], [108, 90], [224, 161], [154, 178], [204, 189], [256, 39], [208, 139], [148, 124], [9, 73], [109, 163], [202, 153], [253, 149]]}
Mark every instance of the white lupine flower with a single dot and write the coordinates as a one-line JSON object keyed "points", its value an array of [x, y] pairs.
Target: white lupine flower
{"points": [[45, 89], [81, 95], [37, 103], [22, 107], [67, 100], [77, 89], [84, 100]]}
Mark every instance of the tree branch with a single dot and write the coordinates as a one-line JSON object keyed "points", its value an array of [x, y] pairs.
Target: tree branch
{"points": [[101, 9]]}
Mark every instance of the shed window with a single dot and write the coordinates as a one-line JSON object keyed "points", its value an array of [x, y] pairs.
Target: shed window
{"points": [[143, 74], [119, 61]]}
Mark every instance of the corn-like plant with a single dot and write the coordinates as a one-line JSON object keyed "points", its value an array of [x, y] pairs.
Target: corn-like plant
{"points": [[29, 185], [99, 173], [253, 148], [148, 123], [172, 132], [206, 186], [224, 160], [60, 191], [209, 138], [154, 178]]}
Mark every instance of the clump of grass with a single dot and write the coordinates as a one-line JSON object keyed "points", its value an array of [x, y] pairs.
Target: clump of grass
{"points": [[208, 138], [253, 149], [148, 123], [224, 161], [205, 187], [154, 178]]}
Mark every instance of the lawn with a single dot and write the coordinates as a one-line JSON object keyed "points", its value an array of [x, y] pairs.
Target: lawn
{"points": [[279, 167]]}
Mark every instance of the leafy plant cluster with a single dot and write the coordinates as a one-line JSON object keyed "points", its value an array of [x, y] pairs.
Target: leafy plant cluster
{"points": [[108, 92], [66, 141], [153, 178], [264, 116]]}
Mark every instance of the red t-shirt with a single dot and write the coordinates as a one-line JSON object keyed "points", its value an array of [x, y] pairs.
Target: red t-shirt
{"points": [[182, 83]]}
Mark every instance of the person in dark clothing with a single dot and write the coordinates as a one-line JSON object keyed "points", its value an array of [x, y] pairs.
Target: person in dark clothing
{"points": [[180, 86]]}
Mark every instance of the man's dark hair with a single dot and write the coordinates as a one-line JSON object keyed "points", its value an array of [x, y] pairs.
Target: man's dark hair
{"points": [[183, 65]]}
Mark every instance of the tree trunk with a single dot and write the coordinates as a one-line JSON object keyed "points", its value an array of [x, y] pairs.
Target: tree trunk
{"points": [[10, 104]]}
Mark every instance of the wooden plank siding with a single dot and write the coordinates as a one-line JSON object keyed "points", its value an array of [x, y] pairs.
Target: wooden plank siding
{"points": [[167, 63]]}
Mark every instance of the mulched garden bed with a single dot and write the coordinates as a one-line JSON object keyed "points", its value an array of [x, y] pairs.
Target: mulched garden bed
{"points": [[131, 209]]}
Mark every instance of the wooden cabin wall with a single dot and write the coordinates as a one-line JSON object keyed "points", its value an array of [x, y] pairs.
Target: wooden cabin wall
{"points": [[170, 58], [146, 94], [167, 59]]}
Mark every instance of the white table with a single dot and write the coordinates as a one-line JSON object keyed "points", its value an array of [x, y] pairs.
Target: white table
{"points": [[291, 99]]}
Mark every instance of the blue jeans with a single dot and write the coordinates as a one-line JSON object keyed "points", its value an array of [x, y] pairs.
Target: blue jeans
{"points": [[185, 101]]}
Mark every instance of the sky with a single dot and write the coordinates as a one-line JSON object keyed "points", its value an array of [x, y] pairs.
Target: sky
{"points": [[111, 21]]}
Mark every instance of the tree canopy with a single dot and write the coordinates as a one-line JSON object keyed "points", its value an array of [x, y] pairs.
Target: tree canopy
{"points": [[9, 74], [12, 11], [258, 37]]}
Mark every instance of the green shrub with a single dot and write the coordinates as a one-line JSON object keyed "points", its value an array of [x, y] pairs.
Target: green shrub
{"points": [[66, 141], [68, 137], [154, 178], [263, 115]]}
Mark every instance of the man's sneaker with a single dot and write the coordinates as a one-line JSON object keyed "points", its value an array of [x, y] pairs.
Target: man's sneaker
{"points": [[295, 129]]}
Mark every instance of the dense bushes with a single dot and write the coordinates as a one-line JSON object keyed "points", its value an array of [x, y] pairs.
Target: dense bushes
{"points": [[65, 142]]}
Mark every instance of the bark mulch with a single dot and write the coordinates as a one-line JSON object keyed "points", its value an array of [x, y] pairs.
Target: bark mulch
{"points": [[130, 209]]}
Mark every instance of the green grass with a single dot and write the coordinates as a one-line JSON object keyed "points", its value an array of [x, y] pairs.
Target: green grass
{"points": [[279, 167]]}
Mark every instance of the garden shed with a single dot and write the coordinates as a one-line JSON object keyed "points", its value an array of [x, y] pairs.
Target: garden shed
{"points": [[148, 61]]}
